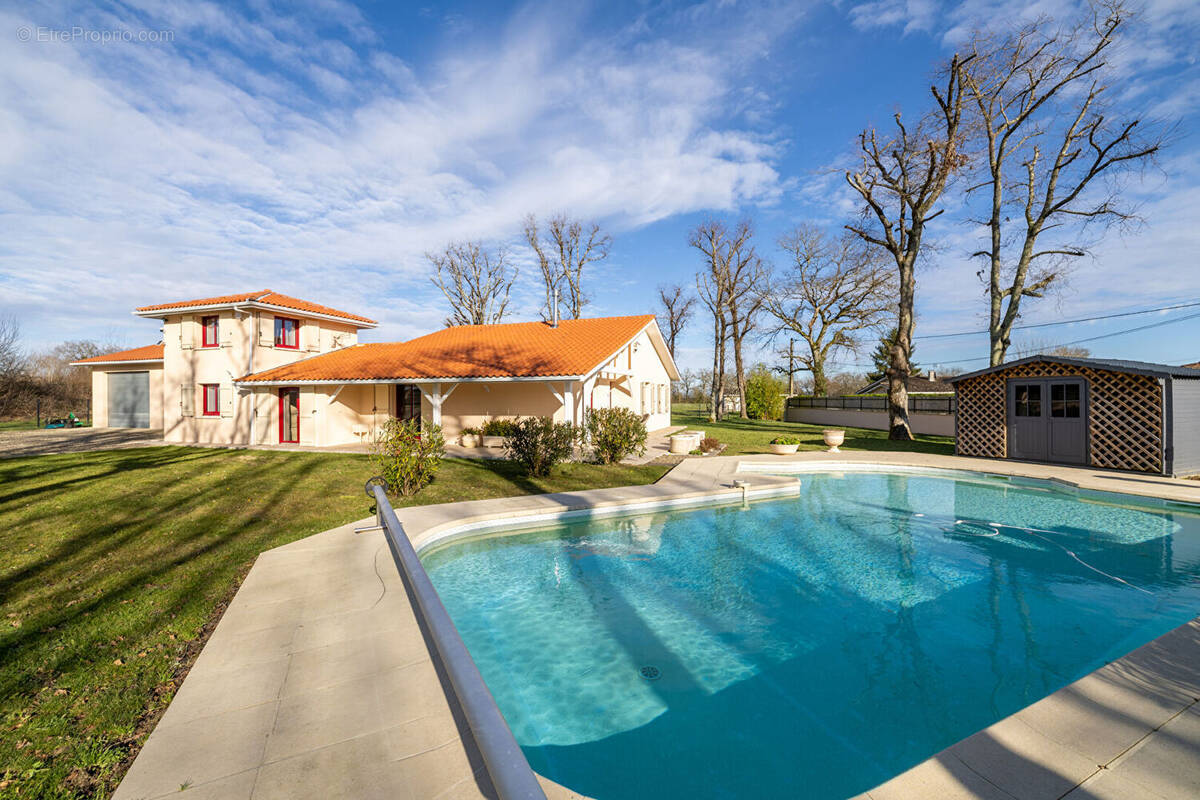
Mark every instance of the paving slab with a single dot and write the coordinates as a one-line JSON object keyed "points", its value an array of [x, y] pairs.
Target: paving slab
{"points": [[320, 682]]}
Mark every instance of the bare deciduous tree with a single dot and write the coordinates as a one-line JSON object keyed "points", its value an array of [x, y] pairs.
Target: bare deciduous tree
{"points": [[563, 258], [730, 286], [831, 290], [474, 281], [1039, 86], [15, 382], [709, 239], [900, 180], [677, 308]]}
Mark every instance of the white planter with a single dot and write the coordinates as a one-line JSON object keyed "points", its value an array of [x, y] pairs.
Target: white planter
{"points": [[494, 441], [470, 440], [834, 438], [784, 449], [682, 444]]}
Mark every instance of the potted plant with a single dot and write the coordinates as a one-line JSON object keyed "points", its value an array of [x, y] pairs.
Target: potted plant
{"points": [[496, 431], [469, 437], [833, 438], [784, 445]]}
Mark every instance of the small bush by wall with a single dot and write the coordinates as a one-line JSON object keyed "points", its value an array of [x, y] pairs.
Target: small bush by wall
{"points": [[615, 433], [538, 443]]}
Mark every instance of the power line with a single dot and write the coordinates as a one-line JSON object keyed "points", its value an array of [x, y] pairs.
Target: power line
{"points": [[1061, 321], [1158, 324]]}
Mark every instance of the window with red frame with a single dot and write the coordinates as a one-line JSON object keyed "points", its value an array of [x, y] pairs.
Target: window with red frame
{"points": [[211, 399], [287, 332], [210, 331]]}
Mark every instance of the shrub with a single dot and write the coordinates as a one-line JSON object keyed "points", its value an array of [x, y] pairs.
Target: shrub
{"points": [[538, 443], [709, 443], [499, 427], [786, 440], [406, 456], [615, 433], [764, 394], [469, 432]]}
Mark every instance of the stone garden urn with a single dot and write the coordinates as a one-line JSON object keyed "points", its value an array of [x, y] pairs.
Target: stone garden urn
{"points": [[834, 438]]}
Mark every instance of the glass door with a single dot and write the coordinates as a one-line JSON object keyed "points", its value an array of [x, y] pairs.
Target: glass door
{"points": [[408, 402], [289, 416]]}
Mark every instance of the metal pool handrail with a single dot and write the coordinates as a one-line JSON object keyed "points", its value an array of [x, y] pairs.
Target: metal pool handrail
{"points": [[510, 772]]}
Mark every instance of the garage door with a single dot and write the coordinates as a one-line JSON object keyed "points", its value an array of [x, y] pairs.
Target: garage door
{"points": [[1047, 420], [129, 399]]}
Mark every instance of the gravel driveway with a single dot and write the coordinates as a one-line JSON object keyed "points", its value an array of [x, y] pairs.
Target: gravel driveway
{"points": [[74, 440]]}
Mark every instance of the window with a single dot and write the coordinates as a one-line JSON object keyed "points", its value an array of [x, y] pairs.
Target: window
{"points": [[1029, 400], [209, 336], [287, 333], [210, 394], [1064, 400]]}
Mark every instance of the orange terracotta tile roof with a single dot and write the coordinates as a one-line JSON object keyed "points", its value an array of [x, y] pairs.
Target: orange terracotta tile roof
{"points": [[520, 349], [1193, 366], [151, 352], [265, 297]]}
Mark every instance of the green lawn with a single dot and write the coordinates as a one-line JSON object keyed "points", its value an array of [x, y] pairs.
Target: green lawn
{"points": [[753, 436], [116, 564]]}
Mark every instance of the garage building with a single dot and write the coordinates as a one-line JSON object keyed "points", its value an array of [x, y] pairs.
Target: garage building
{"points": [[127, 388]]}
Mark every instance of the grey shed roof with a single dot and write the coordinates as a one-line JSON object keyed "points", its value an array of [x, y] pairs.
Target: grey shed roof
{"points": [[1110, 364]]}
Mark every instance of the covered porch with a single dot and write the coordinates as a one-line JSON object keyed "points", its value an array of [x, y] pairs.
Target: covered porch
{"points": [[348, 414]]}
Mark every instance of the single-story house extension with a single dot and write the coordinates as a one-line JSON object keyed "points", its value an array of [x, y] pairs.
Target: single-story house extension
{"points": [[1127, 415], [917, 384], [264, 368]]}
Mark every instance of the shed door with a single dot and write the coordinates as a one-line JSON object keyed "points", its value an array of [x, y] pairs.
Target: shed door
{"points": [[1047, 420], [1027, 434], [129, 399], [1068, 427]]}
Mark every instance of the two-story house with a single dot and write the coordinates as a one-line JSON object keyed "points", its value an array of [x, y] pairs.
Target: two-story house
{"points": [[264, 368]]}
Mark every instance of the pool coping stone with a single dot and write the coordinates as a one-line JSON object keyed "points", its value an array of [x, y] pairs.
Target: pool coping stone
{"points": [[320, 681]]}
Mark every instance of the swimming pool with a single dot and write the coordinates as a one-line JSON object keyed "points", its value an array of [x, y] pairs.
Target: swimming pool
{"points": [[813, 646]]}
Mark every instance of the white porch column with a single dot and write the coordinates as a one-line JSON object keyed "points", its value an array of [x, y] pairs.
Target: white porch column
{"points": [[436, 397], [569, 401]]}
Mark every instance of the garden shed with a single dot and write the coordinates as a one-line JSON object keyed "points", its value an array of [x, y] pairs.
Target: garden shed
{"points": [[1127, 415]]}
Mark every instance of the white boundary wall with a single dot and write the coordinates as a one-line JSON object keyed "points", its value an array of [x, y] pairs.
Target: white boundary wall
{"points": [[931, 424]]}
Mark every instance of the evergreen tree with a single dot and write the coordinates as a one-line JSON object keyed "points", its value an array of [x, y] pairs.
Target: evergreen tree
{"points": [[882, 354]]}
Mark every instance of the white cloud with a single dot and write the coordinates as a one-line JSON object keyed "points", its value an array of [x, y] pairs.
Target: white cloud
{"points": [[252, 152]]}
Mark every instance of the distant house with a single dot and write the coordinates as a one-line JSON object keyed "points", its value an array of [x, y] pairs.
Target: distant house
{"points": [[930, 384], [264, 368]]}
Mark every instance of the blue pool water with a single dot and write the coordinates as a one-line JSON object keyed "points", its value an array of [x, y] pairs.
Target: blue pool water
{"points": [[813, 646]]}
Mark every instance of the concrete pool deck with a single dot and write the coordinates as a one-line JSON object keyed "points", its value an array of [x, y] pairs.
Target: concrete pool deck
{"points": [[319, 680]]}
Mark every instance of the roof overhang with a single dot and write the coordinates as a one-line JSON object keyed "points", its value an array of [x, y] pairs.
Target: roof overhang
{"points": [[240, 305], [115, 363], [660, 347], [244, 384], [1137, 368]]}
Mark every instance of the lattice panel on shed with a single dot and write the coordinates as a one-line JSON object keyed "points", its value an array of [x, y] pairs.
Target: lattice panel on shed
{"points": [[981, 417], [1124, 415]]}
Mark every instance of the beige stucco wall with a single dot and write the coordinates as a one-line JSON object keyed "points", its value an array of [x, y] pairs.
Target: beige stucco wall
{"points": [[246, 345], [647, 391], [100, 392]]}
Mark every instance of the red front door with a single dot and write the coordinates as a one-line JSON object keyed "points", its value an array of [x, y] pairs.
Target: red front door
{"points": [[289, 416]]}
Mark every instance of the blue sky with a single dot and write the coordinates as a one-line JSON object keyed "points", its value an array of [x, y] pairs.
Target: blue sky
{"points": [[320, 149]]}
